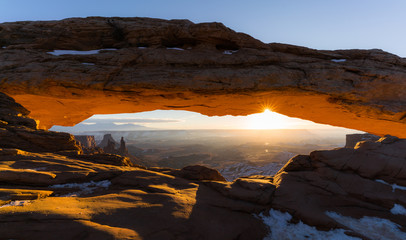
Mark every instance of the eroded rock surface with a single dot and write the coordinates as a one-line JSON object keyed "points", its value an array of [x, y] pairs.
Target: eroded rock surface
{"points": [[368, 180], [86, 141], [147, 64], [17, 130]]}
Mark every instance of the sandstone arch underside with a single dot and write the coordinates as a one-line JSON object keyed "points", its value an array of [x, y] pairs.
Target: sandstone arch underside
{"points": [[147, 64]]}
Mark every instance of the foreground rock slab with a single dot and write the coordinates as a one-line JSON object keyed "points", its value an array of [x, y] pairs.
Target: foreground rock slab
{"points": [[116, 65], [368, 180], [137, 204]]}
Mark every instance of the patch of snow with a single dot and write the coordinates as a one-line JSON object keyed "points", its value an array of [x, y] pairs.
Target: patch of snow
{"points": [[233, 171], [282, 229], [394, 186], [398, 210], [40, 169], [16, 203], [142, 47], [75, 52], [338, 60], [4, 47], [229, 52], [89, 64], [371, 227], [85, 188], [175, 48]]}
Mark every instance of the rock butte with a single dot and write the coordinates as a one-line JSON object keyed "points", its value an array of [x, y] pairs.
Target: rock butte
{"points": [[206, 68]]}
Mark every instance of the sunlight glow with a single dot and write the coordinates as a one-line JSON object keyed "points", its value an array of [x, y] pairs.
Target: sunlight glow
{"points": [[267, 120]]}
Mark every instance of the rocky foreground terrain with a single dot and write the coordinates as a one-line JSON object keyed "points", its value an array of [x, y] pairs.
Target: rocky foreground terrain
{"points": [[51, 190], [118, 65]]}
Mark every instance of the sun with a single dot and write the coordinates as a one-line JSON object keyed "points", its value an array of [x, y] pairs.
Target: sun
{"points": [[267, 120]]}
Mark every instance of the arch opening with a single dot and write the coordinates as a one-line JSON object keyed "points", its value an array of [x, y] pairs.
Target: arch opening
{"points": [[257, 144]]}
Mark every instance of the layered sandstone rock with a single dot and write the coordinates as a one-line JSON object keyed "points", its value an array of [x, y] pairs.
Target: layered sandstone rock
{"points": [[88, 144], [68, 198], [17, 130], [86, 141], [109, 146], [207, 68], [105, 141], [368, 180]]}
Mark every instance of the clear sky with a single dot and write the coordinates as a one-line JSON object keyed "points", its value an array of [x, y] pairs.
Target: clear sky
{"points": [[320, 24]]}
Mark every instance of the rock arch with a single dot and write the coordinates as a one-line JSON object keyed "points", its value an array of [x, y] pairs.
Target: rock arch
{"points": [[207, 68]]}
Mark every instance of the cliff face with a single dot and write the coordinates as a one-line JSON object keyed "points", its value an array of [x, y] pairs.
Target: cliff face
{"points": [[150, 64], [17, 130], [86, 141], [105, 141]]}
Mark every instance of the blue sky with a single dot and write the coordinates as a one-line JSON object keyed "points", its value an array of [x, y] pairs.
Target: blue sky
{"points": [[319, 24]]}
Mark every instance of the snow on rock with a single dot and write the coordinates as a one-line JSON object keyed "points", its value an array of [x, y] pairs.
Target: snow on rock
{"points": [[16, 203], [281, 229], [175, 48], [75, 52], [237, 170], [230, 52], [398, 210], [338, 60], [89, 64], [371, 227], [233, 171], [85, 188], [394, 186]]}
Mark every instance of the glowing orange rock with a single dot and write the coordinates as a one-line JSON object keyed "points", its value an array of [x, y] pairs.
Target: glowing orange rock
{"points": [[205, 68]]}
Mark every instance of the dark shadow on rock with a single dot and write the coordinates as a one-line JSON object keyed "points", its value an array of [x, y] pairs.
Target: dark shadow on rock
{"points": [[48, 226]]}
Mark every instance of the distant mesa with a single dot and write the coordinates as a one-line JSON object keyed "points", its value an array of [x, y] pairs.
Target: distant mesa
{"points": [[106, 139], [88, 144], [86, 141], [108, 144]]}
